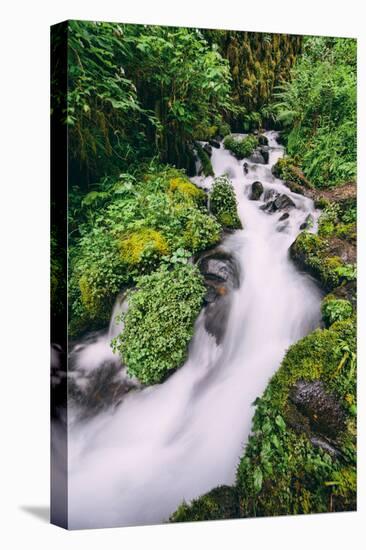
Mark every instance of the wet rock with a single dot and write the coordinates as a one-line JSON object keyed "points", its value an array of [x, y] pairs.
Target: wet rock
{"points": [[214, 143], [257, 157], [282, 228], [308, 223], [324, 414], [220, 266], [326, 446], [245, 168], [207, 147], [265, 153], [346, 291], [284, 217], [98, 389], [280, 202], [256, 191], [270, 194], [221, 273], [283, 201], [262, 140]]}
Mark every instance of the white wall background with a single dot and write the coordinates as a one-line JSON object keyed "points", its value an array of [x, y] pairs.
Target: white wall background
{"points": [[24, 215]]}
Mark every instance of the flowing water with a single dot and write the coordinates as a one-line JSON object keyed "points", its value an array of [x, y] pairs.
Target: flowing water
{"points": [[175, 441]]}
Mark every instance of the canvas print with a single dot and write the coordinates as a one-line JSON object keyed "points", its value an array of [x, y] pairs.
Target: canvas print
{"points": [[203, 277]]}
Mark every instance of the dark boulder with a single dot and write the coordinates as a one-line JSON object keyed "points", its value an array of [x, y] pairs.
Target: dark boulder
{"points": [[257, 157], [245, 168], [256, 191], [315, 412], [284, 217], [284, 201], [207, 147], [322, 409], [270, 194], [214, 143], [265, 153], [308, 223], [220, 266], [262, 139], [221, 273], [280, 202]]}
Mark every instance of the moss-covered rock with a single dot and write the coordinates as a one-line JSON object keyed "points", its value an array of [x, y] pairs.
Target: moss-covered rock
{"points": [[286, 170], [206, 165], [327, 260], [220, 503], [159, 322], [285, 470], [223, 203], [241, 147]]}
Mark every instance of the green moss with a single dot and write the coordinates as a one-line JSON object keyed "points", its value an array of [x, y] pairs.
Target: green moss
{"points": [[286, 170], [241, 147], [220, 503], [186, 190], [310, 253], [224, 204], [159, 322], [141, 245], [281, 472]]}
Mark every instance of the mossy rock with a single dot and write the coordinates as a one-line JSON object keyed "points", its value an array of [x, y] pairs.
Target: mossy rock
{"points": [[223, 203], [284, 469], [315, 255], [241, 147], [205, 160], [286, 170], [220, 503]]}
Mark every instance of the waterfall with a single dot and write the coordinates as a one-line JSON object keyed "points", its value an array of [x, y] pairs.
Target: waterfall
{"points": [[171, 442]]}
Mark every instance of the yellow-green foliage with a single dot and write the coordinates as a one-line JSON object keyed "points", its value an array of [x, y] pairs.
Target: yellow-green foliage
{"points": [[136, 244], [186, 190]]}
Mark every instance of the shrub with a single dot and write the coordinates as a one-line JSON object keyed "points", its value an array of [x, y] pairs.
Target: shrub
{"points": [[241, 147], [335, 310], [159, 322], [201, 231], [186, 190], [317, 108], [141, 220], [223, 203]]}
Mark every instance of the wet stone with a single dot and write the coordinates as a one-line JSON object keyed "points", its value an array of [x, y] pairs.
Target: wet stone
{"points": [[256, 191], [284, 217]]}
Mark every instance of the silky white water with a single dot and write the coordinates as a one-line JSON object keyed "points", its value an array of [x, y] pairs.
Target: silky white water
{"points": [[175, 441]]}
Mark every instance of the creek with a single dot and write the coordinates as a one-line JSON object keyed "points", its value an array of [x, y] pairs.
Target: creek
{"points": [[134, 463]]}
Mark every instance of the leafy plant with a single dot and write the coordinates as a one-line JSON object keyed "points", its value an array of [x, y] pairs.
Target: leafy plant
{"points": [[335, 310], [317, 108], [159, 322], [241, 147], [223, 203]]}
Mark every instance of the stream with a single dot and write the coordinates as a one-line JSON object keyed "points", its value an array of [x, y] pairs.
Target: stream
{"points": [[134, 463]]}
